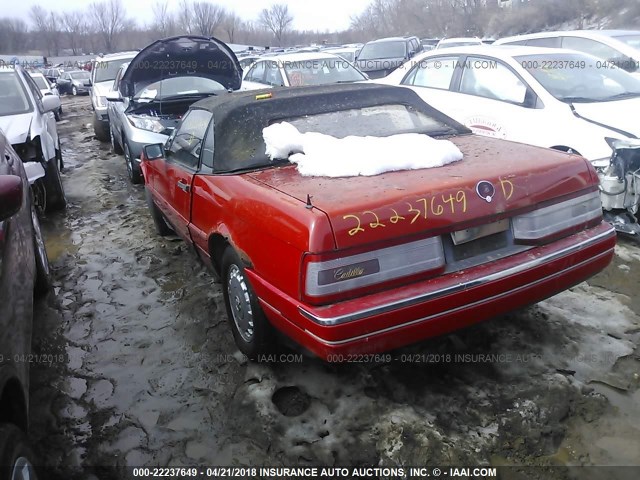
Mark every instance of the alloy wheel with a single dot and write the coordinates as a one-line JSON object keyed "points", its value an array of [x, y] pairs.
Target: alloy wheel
{"points": [[240, 303]]}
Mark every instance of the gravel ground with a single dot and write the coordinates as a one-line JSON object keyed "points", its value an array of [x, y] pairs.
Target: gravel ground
{"points": [[146, 371]]}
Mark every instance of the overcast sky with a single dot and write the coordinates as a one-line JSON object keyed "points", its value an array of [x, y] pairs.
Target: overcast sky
{"points": [[307, 14]]}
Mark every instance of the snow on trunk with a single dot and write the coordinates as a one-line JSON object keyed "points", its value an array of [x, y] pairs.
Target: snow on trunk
{"points": [[317, 154]]}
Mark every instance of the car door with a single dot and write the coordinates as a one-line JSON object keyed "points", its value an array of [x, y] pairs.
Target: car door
{"points": [[181, 164], [43, 123], [64, 83], [255, 77]]}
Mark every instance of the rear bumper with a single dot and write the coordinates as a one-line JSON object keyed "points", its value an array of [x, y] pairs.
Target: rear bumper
{"points": [[394, 318]]}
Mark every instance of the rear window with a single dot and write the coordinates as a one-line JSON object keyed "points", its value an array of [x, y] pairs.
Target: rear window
{"points": [[243, 150], [13, 95], [380, 50]]}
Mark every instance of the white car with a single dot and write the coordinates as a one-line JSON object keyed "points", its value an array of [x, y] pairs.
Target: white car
{"points": [[552, 98], [622, 47], [28, 122], [46, 88], [297, 69], [458, 42], [103, 72]]}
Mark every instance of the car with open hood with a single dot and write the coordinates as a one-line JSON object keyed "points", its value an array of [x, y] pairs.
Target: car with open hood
{"points": [[28, 121], [355, 218], [552, 98], [151, 93]]}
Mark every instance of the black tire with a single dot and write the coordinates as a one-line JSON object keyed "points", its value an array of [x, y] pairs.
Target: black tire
{"points": [[115, 146], [43, 271], [252, 332], [15, 453], [133, 169], [59, 156], [56, 199], [162, 227], [101, 131]]}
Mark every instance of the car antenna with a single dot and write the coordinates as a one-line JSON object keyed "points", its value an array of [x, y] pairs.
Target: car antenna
{"points": [[309, 204]]}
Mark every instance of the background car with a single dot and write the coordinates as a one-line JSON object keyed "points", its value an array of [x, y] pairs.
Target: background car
{"points": [[348, 53], [27, 119], [458, 42], [52, 74], [145, 105], [76, 82], [46, 88], [554, 98], [297, 69], [24, 269], [103, 72], [622, 47], [380, 57]]}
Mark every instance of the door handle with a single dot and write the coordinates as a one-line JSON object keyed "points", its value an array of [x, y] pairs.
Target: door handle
{"points": [[184, 186]]}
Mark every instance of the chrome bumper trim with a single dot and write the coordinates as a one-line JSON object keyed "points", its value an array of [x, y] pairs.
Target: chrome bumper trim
{"points": [[407, 302]]}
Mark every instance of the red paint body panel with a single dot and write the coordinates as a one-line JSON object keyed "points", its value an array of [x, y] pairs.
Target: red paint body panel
{"points": [[263, 215]]}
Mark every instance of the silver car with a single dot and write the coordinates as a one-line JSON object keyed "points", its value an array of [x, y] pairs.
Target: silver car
{"points": [[150, 94]]}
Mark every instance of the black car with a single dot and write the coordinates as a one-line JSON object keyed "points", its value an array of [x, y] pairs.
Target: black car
{"points": [[53, 74], [76, 82], [24, 269], [379, 58]]}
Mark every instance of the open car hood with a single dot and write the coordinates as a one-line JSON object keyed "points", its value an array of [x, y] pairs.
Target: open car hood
{"points": [[182, 56]]}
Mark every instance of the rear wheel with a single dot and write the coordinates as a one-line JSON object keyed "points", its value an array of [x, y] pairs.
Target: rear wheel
{"points": [[132, 168], [158, 219], [101, 131], [43, 271], [16, 458], [251, 330], [56, 199], [115, 146]]}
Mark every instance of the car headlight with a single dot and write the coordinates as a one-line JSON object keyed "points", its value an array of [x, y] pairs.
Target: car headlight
{"points": [[559, 218], [327, 277], [102, 101], [145, 123]]}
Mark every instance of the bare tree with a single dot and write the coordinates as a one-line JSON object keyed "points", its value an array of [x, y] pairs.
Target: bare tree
{"points": [[207, 17], [163, 20], [110, 21], [277, 19], [231, 23], [14, 36], [75, 27], [185, 17]]}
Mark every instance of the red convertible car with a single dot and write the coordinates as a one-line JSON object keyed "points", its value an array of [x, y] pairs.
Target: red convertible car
{"points": [[359, 265]]}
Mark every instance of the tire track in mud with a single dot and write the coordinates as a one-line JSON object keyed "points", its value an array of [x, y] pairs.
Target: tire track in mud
{"points": [[150, 375]]}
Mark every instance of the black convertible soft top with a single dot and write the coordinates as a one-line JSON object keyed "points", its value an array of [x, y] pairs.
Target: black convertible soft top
{"points": [[239, 117]]}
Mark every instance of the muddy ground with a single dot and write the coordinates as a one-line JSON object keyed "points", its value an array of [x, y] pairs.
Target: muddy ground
{"points": [[145, 370]]}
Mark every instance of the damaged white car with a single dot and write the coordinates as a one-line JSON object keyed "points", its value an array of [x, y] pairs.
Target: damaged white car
{"points": [[546, 97], [27, 119]]}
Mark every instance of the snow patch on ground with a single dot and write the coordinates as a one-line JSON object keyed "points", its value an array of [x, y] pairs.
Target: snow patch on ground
{"points": [[317, 154]]}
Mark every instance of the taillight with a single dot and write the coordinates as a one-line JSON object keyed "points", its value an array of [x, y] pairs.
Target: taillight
{"points": [[330, 277], [553, 220]]}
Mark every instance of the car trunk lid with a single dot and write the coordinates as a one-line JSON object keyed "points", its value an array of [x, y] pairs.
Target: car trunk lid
{"points": [[495, 177]]}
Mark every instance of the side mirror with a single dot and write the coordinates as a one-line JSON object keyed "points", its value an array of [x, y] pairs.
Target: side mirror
{"points": [[411, 53], [113, 96], [50, 103], [153, 151], [10, 195]]}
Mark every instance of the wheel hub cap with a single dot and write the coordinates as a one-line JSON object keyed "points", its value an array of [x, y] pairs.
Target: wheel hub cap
{"points": [[240, 303], [22, 470]]}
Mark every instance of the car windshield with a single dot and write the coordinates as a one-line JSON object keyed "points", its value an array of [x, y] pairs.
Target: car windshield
{"points": [[631, 40], [348, 55], [13, 96], [171, 87], [40, 82], [105, 70], [383, 50], [580, 78], [79, 75], [321, 71]]}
